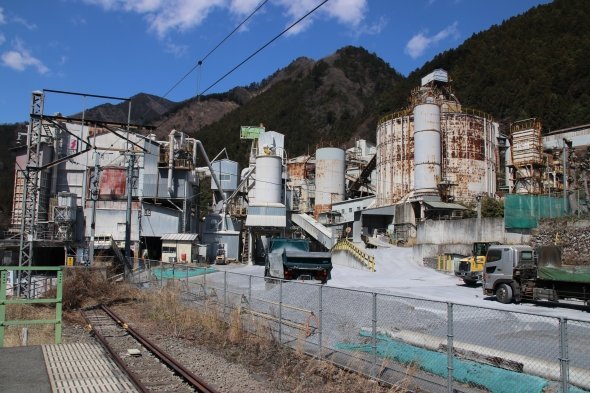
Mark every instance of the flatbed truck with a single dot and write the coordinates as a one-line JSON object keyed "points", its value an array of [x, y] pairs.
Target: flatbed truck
{"points": [[519, 272]]}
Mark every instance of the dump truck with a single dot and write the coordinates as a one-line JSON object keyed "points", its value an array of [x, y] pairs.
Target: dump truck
{"points": [[470, 269], [290, 259], [519, 272]]}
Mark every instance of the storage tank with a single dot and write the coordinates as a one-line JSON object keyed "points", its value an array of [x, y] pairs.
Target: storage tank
{"points": [[437, 149], [427, 154], [469, 146], [227, 174], [330, 168], [269, 183], [395, 158]]}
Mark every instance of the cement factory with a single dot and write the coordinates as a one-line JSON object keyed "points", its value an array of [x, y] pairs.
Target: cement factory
{"points": [[86, 189]]}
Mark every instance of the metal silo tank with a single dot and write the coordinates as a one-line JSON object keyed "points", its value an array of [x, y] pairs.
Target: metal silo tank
{"points": [[268, 179], [469, 145], [395, 159], [330, 168], [427, 152]]}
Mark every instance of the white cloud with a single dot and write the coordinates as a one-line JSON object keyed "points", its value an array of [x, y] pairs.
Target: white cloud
{"points": [[372, 29], [175, 49], [78, 20], [164, 16], [243, 7], [24, 22], [419, 43], [2, 20], [20, 58], [347, 12]]}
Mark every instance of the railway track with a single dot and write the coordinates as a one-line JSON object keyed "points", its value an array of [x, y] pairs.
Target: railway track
{"points": [[149, 368]]}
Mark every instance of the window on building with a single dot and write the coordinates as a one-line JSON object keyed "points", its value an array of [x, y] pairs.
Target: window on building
{"points": [[168, 250], [350, 209]]}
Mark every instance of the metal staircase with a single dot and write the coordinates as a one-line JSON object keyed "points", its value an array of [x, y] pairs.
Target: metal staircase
{"points": [[314, 229]]}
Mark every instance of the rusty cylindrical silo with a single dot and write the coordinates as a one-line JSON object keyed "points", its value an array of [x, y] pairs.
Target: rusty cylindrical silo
{"points": [[329, 181]]}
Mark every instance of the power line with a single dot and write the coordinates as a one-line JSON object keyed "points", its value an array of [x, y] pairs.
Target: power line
{"points": [[200, 62], [264, 46], [249, 57]]}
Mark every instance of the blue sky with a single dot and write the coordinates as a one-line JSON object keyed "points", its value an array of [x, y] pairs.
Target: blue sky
{"points": [[123, 47]]}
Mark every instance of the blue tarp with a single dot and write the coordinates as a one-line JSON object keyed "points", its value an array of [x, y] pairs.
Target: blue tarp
{"points": [[494, 379], [180, 272]]}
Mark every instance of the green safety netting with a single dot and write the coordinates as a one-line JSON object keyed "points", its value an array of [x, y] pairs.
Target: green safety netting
{"points": [[525, 211], [180, 272]]}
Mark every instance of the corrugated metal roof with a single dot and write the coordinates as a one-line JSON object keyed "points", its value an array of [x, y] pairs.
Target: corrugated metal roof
{"points": [[444, 205], [379, 211], [187, 237], [265, 221]]}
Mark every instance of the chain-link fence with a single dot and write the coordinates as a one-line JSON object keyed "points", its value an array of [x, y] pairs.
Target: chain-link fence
{"points": [[423, 344]]}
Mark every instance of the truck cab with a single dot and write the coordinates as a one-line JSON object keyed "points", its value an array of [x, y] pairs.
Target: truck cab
{"points": [[503, 268]]}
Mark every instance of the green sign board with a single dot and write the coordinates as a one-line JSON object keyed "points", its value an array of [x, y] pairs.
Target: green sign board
{"points": [[251, 132]]}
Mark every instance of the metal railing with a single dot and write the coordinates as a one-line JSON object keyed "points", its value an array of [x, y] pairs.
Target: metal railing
{"points": [[435, 345], [357, 253], [4, 301]]}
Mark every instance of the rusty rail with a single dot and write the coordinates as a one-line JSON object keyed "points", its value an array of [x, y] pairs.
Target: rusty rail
{"points": [[200, 385]]}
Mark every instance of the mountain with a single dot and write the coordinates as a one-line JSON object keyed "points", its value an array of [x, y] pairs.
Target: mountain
{"points": [[328, 101], [144, 109], [532, 65]]}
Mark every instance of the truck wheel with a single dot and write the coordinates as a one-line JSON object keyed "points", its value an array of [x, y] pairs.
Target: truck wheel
{"points": [[504, 293]]}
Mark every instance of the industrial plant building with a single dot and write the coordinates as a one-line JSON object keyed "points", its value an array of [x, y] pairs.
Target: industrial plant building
{"points": [[82, 186]]}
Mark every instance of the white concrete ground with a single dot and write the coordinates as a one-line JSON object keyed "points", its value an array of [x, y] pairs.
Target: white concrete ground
{"points": [[397, 274]]}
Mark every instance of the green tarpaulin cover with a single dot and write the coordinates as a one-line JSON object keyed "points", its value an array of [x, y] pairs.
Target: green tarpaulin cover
{"points": [[565, 273]]}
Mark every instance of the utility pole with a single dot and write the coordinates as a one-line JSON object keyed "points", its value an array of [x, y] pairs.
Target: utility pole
{"points": [[93, 197], [130, 165]]}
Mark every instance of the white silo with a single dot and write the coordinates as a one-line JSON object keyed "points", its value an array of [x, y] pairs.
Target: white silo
{"points": [[426, 149], [268, 179], [330, 168]]}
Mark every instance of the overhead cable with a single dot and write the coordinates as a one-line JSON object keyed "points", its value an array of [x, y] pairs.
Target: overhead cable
{"points": [[200, 62], [264, 46]]}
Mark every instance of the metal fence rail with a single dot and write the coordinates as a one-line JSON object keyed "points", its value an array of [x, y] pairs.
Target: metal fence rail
{"points": [[57, 300], [437, 346]]}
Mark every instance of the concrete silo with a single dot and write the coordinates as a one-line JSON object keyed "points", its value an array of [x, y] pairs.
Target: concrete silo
{"points": [[269, 171], [330, 169], [426, 149]]}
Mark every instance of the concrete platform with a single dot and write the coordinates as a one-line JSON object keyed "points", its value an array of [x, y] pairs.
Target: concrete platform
{"points": [[66, 368]]}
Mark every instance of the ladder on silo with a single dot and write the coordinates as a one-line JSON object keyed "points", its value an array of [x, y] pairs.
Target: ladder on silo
{"points": [[245, 246]]}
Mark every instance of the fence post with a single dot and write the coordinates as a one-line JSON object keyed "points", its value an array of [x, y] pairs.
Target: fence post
{"points": [[250, 292], [450, 347], [3, 278], [58, 306], [161, 275], [563, 355], [205, 283], [374, 344], [224, 293], [320, 312], [280, 311]]}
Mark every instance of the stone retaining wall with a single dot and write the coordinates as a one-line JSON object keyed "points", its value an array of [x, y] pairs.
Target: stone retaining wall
{"points": [[573, 235]]}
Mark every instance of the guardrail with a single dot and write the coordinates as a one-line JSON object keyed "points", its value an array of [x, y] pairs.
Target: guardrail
{"points": [[360, 255], [4, 301], [445, 263]]}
